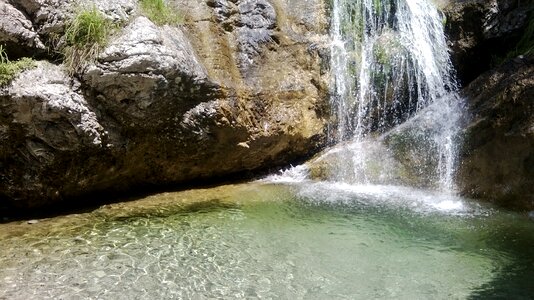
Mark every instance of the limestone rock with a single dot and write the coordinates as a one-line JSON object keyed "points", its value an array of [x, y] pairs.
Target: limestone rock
{"points": [[29, 27], [117, 10], [144, 65], [43, 120], [241, 86]]}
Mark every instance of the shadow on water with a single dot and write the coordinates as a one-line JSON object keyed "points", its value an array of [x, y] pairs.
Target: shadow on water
{"points": [[93, 201], [516, 279], [201, 207]]}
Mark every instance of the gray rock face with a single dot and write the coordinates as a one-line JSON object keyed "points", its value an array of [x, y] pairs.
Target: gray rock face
{"points": [[498, 159], [253, 22], [238, 87], [480, 30], [45, 94]]}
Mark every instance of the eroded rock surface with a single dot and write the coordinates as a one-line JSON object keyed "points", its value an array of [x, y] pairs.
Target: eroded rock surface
{"points": [[44, 123]]}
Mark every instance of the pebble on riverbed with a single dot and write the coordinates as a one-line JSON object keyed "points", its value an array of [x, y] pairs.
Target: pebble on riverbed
{"points": [[33, 222]]}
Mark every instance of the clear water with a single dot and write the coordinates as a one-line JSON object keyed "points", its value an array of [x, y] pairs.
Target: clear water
{"points": [[302, 240]]}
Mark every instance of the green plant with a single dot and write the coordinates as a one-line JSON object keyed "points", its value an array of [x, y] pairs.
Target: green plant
{"points": [[3, 55], [84, 37], [525, 46], [10, 69], [160, 13]]}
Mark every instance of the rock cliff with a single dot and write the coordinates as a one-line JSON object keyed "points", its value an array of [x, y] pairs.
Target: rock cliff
{"points": [[491, 43], [498, 158], [238, 86]]}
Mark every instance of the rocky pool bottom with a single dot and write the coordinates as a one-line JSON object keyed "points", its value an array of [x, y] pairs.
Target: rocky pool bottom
{"points": [[301, 240]]}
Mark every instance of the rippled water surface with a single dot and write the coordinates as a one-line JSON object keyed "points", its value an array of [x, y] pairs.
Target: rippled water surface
{"points": [[262, 240]]}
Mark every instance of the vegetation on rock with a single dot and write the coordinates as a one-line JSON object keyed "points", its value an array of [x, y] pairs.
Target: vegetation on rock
{"points": [[85, 36], [159, 12], [525, 46], [10, 69]]}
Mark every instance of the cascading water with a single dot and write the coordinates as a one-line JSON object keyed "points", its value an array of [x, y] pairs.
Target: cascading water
{"points": [[389, 60], [390, 63]]}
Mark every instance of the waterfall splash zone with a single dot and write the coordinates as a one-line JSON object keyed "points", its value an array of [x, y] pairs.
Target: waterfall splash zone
{"points": [[390, 62], [373, 217]]}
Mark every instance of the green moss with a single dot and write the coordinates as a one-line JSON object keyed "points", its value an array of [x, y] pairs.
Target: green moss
{"points": [[85, 35], [381, 54], [159, 12], [377, 5], [525, 46], [10, 69]]}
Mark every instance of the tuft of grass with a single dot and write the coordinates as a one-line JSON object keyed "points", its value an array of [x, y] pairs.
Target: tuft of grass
{"points": [[86, 34], [10, 69], [159, 12]]}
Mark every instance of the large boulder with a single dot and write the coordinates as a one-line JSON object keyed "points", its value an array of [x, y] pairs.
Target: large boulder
{"points": [[498, 155], [48, 133], [225, 93]]}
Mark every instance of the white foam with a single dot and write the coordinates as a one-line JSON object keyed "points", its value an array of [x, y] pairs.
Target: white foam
{"points": [[418, 200], [292, 175]]}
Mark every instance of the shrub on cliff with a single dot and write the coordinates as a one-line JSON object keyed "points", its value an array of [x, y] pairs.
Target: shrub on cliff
{"points": [[10, 69], [159, 12]]}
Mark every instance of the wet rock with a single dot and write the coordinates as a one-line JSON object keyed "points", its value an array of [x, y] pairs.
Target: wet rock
{"points": [[498, 157], [372, 162]]}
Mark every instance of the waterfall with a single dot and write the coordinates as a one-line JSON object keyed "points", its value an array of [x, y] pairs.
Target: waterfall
{"points": [[389, 65]]}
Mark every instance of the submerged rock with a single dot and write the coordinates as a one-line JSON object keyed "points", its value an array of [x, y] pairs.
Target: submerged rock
{"points": [[498, 157], [368, 162]]}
